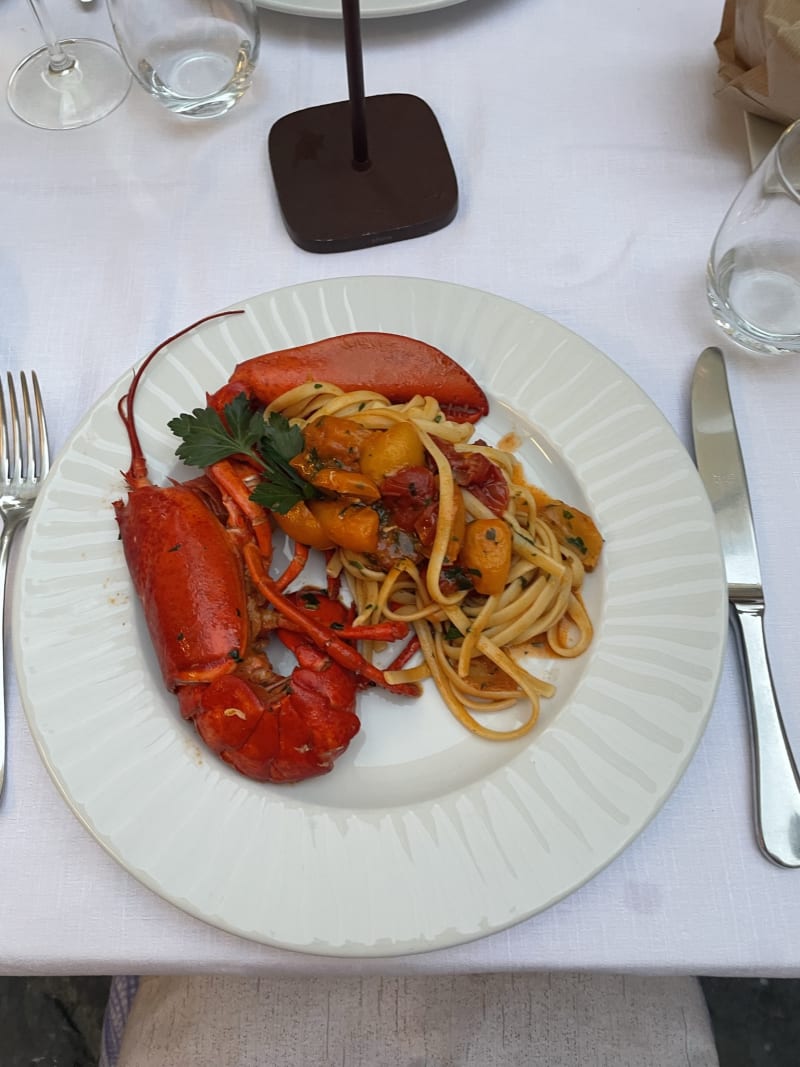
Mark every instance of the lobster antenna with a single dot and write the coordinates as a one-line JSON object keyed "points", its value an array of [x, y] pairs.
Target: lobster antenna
{"points": [[137, 472]]}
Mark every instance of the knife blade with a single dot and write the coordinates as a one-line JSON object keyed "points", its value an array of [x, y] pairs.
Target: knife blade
{"points": [[719, 460]]}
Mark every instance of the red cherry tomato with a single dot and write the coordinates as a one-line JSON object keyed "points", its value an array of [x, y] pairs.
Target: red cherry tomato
{"points": [[483, 478], [407, 494]]}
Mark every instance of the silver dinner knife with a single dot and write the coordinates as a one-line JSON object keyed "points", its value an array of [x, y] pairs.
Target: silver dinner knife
{"points": [[719, 460]]}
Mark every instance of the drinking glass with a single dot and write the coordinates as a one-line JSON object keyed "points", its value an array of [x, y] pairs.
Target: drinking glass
{"points": [[195, 56], [753, 276], [69, 83]]}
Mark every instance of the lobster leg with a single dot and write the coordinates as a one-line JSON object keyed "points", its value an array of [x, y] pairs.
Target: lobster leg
{"points": [[229, 479], [322, 636], [405, 654], [244, 513], [299, 560], [391, 630], [382, 631]]}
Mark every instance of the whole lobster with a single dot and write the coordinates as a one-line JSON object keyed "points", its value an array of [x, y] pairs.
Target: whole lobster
{"points": [[199, 554]]}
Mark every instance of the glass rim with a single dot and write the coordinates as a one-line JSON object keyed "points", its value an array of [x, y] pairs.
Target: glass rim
{"points": [[790, 185]]}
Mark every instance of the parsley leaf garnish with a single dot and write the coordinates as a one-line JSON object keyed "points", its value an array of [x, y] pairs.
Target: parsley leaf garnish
{"points": [[269, 444], [205, 439], [280, 493], [285, 440]]}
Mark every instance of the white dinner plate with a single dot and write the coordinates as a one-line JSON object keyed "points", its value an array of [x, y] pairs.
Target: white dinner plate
{"points": [[423, 836], [370, 9]]}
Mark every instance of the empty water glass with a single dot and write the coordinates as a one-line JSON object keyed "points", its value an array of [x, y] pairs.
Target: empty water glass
{"points": [[753, 277], [194, 56]]}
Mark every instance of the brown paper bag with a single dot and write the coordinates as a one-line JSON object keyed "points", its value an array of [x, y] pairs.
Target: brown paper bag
{"points": [[759, 57]]}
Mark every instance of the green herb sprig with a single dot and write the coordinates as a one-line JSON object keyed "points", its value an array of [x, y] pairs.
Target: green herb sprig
{"points": [[207, 438]]}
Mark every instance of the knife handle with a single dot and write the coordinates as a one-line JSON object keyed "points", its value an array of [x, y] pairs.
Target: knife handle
{"points": [[777, 785]]}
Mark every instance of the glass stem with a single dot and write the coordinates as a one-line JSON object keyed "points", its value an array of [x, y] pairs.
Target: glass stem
{"points": [[59, 60]]}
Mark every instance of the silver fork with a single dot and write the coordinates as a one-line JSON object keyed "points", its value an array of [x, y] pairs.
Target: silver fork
{"points": [[24, 463]]}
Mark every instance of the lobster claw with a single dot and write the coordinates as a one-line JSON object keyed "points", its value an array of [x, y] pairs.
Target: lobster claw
{"points": [[398, 367]]}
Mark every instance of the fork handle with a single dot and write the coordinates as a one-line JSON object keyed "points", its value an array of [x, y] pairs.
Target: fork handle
{"points": [[5, 544], [775, 778]]}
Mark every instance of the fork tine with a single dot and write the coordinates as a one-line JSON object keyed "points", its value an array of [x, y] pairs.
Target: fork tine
{"points": [[44, 444], [5, 472], [14, 440], [27, 427]]}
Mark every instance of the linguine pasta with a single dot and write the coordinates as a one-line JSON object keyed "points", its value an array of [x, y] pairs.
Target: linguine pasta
{"points": [[471, 643]]}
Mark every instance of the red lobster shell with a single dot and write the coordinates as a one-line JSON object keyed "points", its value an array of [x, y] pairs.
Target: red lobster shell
{"points": [[198, 555]]}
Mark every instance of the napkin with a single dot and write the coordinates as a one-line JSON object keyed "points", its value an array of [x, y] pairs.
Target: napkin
{"points": [[759, 55]]}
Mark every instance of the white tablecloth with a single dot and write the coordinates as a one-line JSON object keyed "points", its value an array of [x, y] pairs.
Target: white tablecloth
{"points": [[594, 166]]}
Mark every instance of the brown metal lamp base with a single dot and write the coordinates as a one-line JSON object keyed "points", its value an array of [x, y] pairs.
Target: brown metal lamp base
{"points": [[330, 202]]}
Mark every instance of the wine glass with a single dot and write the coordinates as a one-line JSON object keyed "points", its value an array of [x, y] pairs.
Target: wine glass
{"points": [[67, 84], [753, 277]]}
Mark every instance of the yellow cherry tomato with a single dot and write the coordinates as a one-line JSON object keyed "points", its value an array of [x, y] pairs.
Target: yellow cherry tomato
{"points": [[302, 525], [387, 451], [486, 555], [346, 483], [352, 526]]}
